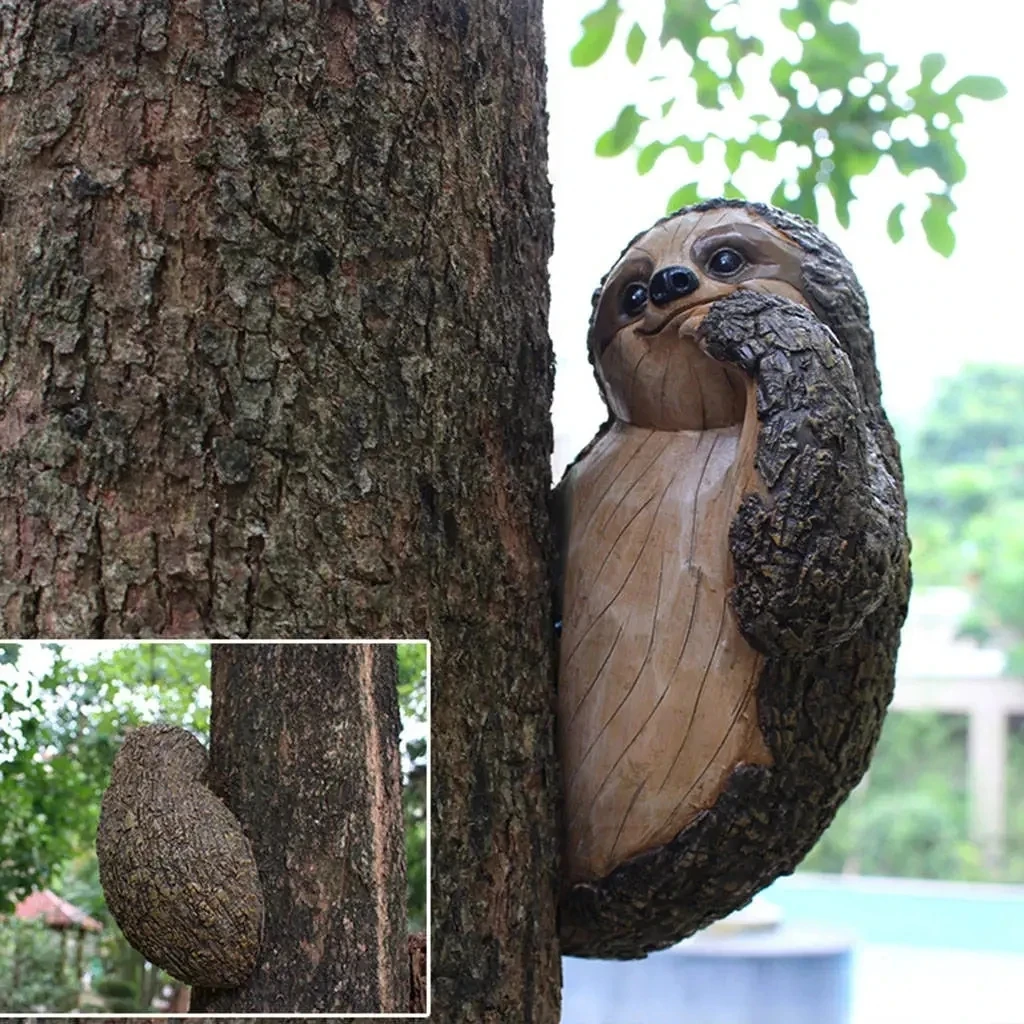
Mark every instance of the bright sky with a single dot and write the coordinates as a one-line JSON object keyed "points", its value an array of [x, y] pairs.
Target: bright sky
{"points": [[930, 314]]}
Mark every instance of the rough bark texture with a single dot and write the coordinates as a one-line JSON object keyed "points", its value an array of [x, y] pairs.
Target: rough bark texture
{"points": [[274, 362], [323, 809], [177, 870], [822, 576], [418, 981]]}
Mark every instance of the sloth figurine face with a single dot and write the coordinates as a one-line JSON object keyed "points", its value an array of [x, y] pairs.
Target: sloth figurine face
{"points": [[644, 329], [733, 575]]}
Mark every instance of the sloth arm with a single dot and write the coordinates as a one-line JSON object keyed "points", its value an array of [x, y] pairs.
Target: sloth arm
{"points": [[825, 544]]}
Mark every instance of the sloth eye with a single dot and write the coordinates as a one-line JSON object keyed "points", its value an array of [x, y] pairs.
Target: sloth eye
{"points": [[725, 262], [634, 299]]}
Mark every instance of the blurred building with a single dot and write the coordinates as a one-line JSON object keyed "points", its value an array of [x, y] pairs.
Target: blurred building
{"points": [[930, 648]]}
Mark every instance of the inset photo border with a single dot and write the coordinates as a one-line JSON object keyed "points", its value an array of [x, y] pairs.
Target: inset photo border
{"points": [[224, 827]]}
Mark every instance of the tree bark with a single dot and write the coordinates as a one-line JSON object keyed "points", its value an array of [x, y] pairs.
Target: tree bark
{"points": [[274, 362], [323, 810]]}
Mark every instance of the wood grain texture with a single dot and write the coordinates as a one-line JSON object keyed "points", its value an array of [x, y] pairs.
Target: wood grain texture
{"points": [[663, 381], [656, 684], [812, 563]]}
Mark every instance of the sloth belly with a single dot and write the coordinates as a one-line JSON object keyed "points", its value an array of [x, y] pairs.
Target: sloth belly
{"points": [[657, 688]]}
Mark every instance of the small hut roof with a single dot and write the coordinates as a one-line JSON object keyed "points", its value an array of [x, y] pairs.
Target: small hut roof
{"points": [[55, 912]]}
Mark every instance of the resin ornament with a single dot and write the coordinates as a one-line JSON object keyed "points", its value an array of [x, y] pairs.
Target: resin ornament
{"points": [[176, 867], [733, 576]]}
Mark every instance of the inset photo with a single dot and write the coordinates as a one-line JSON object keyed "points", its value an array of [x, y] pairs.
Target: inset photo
{"points": [[223, 827]]}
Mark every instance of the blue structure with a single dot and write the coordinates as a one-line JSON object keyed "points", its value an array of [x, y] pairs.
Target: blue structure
{"points": [[785, 975], [941, 952], [914, 912]]}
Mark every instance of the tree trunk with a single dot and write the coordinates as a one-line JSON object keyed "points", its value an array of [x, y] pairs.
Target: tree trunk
{"points": [[273, 362], [324, 816]]}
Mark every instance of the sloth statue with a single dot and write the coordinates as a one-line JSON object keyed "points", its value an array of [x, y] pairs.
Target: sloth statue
{"points": [[733, 575]]}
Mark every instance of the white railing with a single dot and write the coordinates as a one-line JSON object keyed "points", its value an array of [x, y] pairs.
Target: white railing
{"points": [[988, 705]]}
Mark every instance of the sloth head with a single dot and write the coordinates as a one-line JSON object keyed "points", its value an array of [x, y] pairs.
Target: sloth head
{"points": [[158, 750], [650, 304]]}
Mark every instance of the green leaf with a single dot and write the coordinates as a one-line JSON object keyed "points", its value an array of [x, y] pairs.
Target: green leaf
{"points": [[981, 87], [815, 11], [694, 148], [894, 223], [707, 82], [648, 156], [935, 221], [685, 196], [856, 161], [831, 59], [931, 65], [622, 135], [833, 56], [689, 21], [635, 44], [733, 155], [761, 147], [940, 154], [791, 18], [839, 41], [598, 29], [781, 71], [750, 44], [806, 202], [842, 194], [730, 191]]}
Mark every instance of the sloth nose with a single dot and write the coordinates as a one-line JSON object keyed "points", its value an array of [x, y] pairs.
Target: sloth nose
{"points": [[672, 283]]}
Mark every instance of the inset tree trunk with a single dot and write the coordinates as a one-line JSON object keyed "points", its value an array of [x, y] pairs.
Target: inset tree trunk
{"points": [[322, 806]]}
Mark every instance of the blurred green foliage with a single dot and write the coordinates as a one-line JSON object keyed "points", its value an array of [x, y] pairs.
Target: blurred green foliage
{"points": [[841, 107], [59, 732], [909, 816], [412, 690], [412, 681], [1015, 802], [34, 970], [61, 724], [965, 493]]}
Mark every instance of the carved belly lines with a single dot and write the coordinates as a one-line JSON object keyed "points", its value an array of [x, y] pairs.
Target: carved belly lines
{"points": [[657, 689]]}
